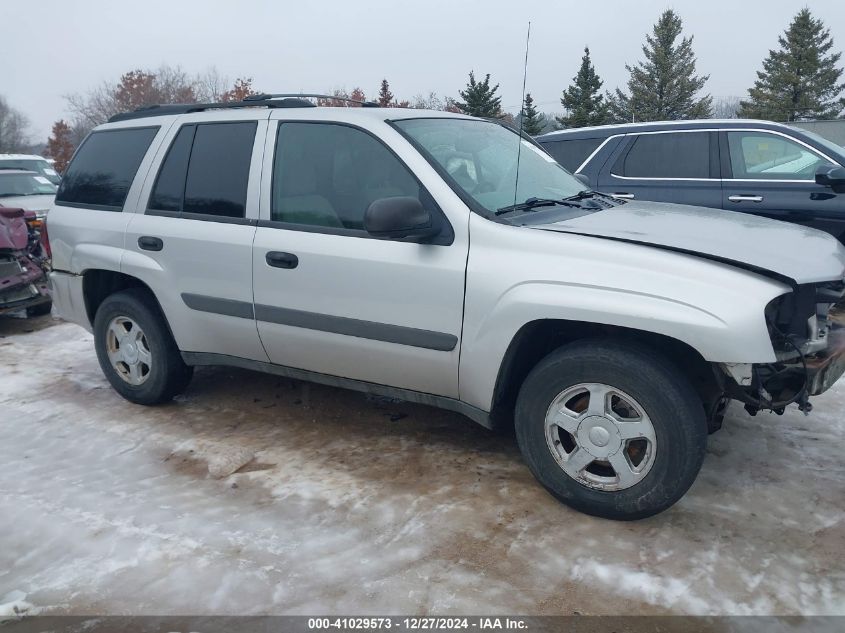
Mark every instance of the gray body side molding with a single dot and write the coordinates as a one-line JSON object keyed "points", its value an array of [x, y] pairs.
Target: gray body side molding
{"points": [[372, 330]]}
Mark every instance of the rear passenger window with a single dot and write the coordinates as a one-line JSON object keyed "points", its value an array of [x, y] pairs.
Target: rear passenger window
{"points": [[169, 189], [101, 172], [206, 170], [673, 155], [571, 154], [327, 175]]}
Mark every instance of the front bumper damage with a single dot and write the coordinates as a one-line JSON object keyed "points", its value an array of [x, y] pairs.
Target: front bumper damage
{"points": [[23, 282], [23, 261], [807, 328], [827, 366]]}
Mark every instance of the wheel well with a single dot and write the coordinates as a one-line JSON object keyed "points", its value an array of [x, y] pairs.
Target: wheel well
{"points": [[99, 284], [537, 339]]}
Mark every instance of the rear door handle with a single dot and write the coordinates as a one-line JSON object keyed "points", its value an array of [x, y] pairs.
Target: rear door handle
{"points": [[744, 198], [278, 259], [623, 196], [150, 243]]}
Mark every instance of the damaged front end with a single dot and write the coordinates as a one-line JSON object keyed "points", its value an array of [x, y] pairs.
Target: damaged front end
{"points": [[807, 329], [23, 262]]}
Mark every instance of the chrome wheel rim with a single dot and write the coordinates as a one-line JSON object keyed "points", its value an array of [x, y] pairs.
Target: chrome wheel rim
{"points": [[600, 436], [128, 350]]}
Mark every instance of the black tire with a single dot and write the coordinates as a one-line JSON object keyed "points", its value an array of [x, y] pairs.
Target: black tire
{"points": [[168, 375], [42, 309], [669, 400]]}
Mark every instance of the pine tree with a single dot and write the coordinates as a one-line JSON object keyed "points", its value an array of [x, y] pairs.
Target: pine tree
{"points": [[583, 102], [664, 86], [479, 99], [800, 80], [385, 97], [532, 121]]}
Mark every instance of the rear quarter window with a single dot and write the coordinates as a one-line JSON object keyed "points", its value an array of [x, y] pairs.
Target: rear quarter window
{"points": [[102, 171], [571, 154]]}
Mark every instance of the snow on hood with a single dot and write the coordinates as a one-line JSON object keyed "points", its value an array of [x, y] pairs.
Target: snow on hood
{"points": [[40, 203], [797, 252]]}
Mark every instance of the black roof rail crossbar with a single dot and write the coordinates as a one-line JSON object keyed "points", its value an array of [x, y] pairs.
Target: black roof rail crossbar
{"points": [[280, 95], [187, 108]]}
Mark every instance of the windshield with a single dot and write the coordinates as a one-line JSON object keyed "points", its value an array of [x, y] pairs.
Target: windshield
{"points": [[481, 158], [827, 145], [38, 165], [25, 185]]}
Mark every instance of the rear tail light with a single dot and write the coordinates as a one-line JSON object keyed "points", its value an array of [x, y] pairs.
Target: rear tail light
{"points": [[45, 239]]}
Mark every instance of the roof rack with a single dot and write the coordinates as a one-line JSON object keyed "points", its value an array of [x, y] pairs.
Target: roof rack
{"points": [[278, 100], [266, 97]]}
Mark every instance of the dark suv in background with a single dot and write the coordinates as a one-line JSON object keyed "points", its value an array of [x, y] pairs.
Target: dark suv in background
{"points": [[757, 167]]}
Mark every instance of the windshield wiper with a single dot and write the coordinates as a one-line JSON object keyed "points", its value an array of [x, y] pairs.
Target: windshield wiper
{"points": [[532, 204], [588, 194]]}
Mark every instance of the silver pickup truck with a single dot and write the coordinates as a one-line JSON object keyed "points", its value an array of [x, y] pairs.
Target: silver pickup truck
{"points": [[444, 260]]}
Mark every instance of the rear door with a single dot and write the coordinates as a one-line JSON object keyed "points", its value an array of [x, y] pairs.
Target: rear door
{"points": [[771, 174], [191, 239], [331, 299], [675, 166]]}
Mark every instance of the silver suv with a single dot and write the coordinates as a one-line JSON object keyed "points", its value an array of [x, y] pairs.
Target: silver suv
{"points": [[444, 260]]}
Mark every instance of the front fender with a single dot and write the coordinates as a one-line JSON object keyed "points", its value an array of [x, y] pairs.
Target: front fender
{"points": [[716, 309]]}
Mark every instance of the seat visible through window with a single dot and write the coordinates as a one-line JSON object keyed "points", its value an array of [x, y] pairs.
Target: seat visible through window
{"points": [[328, 175]]}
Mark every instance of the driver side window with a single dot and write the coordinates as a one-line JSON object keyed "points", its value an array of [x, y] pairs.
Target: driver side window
{"points": [[326, 175], [762, 156]]}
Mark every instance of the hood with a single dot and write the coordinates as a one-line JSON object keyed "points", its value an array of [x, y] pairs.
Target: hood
{"points": [[796, 252], [39, 203]]}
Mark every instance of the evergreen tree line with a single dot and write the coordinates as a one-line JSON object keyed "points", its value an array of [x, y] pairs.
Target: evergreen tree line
{"points": [[799, 80]]}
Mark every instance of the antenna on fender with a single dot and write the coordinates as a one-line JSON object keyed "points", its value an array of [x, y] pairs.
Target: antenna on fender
{"points": [[522, 111]]}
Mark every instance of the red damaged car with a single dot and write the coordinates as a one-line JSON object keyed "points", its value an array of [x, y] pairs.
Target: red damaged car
{"points": [[23, 263]]}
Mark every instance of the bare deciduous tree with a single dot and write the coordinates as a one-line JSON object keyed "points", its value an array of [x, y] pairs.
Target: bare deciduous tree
{"points": [[138, 88], [339, 98], [432, 101], [14, 128], [210, 85], [726, 107]]}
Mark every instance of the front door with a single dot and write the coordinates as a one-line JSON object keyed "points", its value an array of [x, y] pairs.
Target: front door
{"points": [[773, 175], [331, 299]]}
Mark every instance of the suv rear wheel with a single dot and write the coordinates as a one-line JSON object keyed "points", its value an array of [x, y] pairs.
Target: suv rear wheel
{"points": [[611, 429], [136, 351]]}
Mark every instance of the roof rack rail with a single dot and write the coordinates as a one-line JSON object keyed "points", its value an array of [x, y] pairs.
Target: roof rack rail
{"points": [[186, 108], [276, 100], [280, 95]]}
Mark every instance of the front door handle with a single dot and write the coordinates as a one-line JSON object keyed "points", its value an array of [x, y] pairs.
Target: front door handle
{"points": [[745, 198], [278, 259], [623, 196], [150, 243]]}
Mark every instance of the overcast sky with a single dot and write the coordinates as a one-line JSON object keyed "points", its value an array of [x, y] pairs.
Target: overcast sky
{"points": [[55, 47]]}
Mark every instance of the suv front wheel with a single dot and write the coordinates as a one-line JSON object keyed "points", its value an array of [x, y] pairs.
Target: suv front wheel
{"points": [[136, 351], [611, 429]]}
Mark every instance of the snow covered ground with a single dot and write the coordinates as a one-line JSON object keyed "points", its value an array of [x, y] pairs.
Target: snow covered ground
{"points": [[256, 495]]}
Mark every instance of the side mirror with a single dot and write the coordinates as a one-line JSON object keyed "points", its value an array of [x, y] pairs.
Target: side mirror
{"points": [[399, 218], [831, 176], [583, 179]]}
